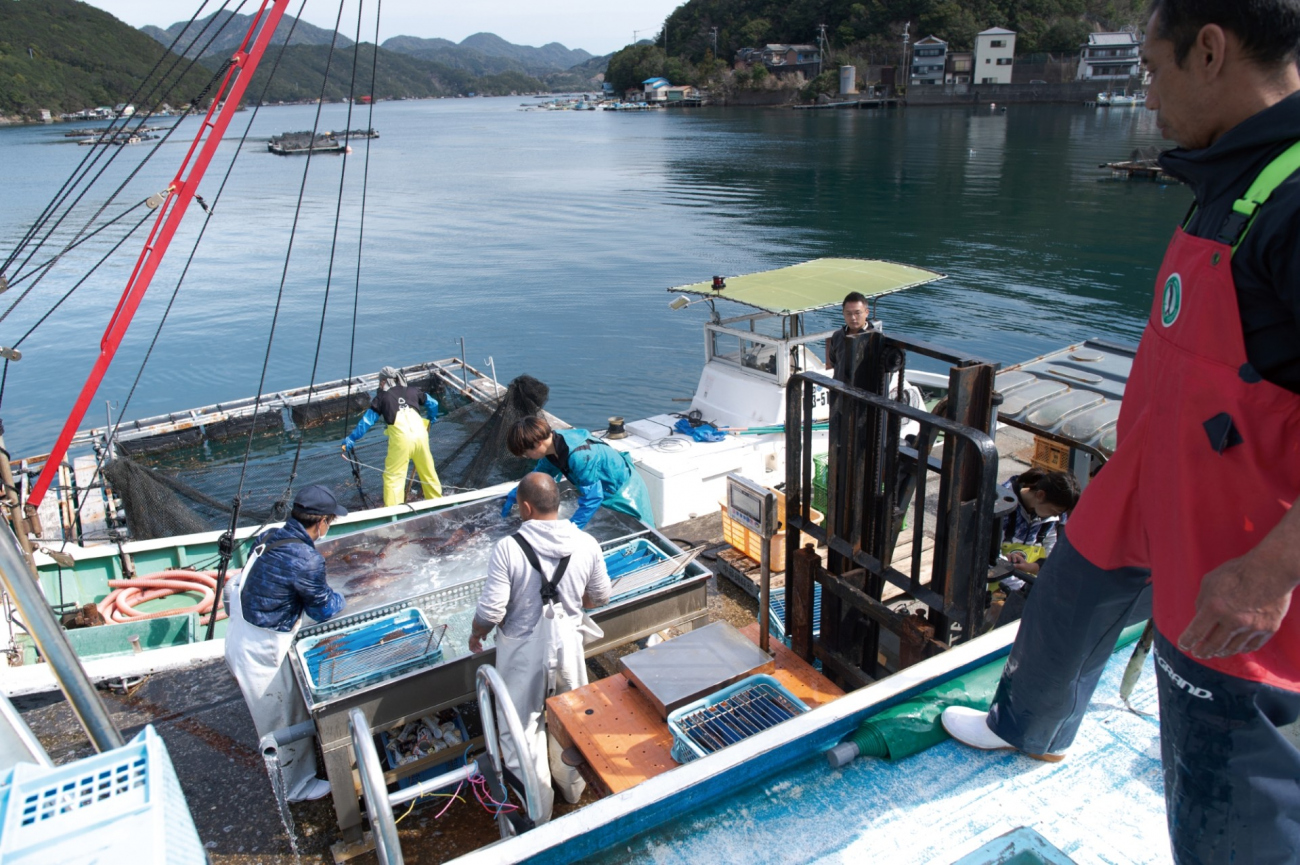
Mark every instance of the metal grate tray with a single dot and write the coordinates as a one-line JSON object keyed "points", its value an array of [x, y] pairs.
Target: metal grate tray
{"points": [[735, 713], [776, 612]]}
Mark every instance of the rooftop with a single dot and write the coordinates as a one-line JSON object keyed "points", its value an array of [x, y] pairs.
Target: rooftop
{"points": [[815, 284], [997, 31], [1113, 39]]}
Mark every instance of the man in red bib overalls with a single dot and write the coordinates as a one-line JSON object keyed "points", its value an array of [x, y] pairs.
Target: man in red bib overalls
{"points": [[1199, 498]]}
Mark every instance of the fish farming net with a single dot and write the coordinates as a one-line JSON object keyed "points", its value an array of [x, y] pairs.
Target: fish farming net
{"points": [[524, 397], [174, 484]]}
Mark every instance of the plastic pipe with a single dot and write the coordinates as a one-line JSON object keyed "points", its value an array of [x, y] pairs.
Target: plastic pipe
{"points": [[277, 739]]}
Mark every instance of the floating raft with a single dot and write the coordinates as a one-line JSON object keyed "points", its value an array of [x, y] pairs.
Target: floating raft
{"points": [[290, 143]]}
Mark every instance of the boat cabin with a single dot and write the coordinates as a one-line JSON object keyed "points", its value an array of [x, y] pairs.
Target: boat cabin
{"points": [[748, 359]]}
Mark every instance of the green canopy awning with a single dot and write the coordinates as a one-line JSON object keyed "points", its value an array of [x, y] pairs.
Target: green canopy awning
{"points": [[815, 284]]}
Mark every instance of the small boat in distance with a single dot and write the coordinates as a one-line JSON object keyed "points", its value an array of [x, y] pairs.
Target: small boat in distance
{"points": [[289, 143]]}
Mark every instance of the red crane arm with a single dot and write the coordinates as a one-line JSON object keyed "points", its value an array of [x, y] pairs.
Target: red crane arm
{"points": [[181, 191]]}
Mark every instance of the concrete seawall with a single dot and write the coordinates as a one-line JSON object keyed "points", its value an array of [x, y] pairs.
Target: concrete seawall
{"points": [[974, 94]]}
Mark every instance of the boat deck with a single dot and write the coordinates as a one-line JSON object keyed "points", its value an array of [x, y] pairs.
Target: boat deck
{"points": [[1103, 804]]}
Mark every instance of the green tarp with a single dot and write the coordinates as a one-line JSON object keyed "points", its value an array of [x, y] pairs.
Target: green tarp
{"points": [[815, 284], [913, 725]]}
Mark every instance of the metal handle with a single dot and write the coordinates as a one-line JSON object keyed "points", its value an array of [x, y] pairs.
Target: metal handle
{"points": [[491, 684], [387, 845]]}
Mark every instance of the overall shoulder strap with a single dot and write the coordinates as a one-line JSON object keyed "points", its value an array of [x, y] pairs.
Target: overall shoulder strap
{"points": [[550, 587], [1247, 207]]}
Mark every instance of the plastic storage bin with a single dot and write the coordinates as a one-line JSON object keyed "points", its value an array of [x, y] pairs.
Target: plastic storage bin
{"points": [[434, 770], [638, 567], [737, 712], [820, 463], [123, 805], [749, 543]]}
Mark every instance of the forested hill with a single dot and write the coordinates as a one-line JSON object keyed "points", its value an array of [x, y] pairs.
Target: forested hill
{"points": [[63, 55], [863, 29]]}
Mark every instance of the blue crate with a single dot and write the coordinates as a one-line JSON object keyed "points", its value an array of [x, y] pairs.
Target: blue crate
{"points": [[433, 771], [776, 613], [633, 558], [123, 805], [725, 717], [370, 648]]}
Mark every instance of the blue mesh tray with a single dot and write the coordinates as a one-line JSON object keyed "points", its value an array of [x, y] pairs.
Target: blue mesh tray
{"points": [[776, 612], [731, 715], [638, 567], [369, 650]]}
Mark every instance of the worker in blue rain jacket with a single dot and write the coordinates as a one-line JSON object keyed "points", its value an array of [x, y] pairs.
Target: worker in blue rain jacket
{"points": [[399, 404], [602, 474]]}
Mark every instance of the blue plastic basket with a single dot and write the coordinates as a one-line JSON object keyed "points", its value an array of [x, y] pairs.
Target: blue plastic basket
{"points": [[776, 613], [433, 771], [369, 650], [731, 715], [627, 562], [123, 805]]}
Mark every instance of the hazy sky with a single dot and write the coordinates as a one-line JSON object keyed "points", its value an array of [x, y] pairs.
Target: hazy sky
{"points": [[599, 26]]}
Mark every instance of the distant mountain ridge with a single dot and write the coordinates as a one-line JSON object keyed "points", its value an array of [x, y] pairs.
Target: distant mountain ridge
{"points": [[480, 54], [232, 29]]}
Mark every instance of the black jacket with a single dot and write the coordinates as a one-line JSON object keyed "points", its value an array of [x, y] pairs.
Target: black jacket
{"points": [[1266, 267]]}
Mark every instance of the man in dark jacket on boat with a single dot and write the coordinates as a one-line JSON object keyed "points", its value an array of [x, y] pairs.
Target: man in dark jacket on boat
{"points": [[1199, 498], [284, 578]]}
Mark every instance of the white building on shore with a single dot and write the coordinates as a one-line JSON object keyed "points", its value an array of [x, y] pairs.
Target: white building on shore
{"points": [[995, 54]]}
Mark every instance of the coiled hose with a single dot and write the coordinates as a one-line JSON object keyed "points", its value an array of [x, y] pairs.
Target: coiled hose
{"points": [[120, 603]]}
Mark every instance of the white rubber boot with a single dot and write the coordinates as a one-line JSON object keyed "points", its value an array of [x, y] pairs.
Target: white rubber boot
{"points": [[970, 727]]}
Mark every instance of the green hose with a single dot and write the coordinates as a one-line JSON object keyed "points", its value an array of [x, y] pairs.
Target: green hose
{"points": [[913, 725]]}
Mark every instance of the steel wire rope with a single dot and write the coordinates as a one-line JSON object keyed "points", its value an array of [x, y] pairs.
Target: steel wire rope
{"points": [[361, 229], [4, 372], [135, 171], [225, 544], [52, 205], [54, 259], [185, 270], [126, 121], [284, 276]]}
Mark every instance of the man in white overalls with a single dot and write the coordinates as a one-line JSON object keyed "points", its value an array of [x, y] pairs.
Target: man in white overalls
{"points": [[284, 578], [539, 581]]}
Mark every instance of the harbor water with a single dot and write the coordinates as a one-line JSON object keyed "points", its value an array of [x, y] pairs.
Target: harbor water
{"points": [[548, 239]]}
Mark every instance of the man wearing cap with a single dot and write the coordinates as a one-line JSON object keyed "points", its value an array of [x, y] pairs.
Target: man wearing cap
{"points": [[399, 404], [284, 577]]}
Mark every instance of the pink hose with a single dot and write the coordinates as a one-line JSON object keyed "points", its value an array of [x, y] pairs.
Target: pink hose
{"points": [[119, 605]]}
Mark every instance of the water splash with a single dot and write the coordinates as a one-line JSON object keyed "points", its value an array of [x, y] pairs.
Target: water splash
{"points": [[272, 759]]}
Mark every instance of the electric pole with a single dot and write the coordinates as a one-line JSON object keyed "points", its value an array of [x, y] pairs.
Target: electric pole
{"points": [[821, 46], [713, 38], [907, 38]]}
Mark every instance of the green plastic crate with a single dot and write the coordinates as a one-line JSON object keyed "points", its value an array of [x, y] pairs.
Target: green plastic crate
{"points": [[820, 462]]}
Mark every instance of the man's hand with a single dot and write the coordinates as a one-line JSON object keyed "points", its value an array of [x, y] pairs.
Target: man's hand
{"points": [[1240, 606], [476, 644], [1017, 558]]}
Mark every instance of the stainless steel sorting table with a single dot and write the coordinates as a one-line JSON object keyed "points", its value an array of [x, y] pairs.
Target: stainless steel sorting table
{"points": [[450, 681]]}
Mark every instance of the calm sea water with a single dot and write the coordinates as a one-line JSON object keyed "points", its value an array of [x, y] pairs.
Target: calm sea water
{"points": [[548, 239]]}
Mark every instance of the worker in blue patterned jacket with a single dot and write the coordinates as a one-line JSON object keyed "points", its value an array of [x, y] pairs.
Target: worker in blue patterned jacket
{"points": [[399, 404], [283, 578], [602, 474]]}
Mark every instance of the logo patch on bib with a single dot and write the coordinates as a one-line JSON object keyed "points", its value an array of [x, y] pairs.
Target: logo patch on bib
{"points": [[1172, 302]]}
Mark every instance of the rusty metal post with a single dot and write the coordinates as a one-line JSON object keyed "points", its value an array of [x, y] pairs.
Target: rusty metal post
{"points": [[800, 592]]}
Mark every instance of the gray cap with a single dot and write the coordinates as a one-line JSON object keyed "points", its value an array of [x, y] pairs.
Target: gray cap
{"points": [[393, 374]]}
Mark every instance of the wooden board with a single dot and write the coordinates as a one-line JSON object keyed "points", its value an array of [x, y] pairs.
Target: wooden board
{"points": [[746, 573], [623, 740]]}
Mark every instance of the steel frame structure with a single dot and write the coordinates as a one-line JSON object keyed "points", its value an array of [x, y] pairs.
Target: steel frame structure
{"points": [[873, 477]]}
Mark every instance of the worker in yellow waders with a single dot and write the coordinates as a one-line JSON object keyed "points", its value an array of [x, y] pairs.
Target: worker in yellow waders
{"points": [[399, 404]]}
